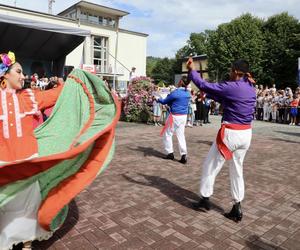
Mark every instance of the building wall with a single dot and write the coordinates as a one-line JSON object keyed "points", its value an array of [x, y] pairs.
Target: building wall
{"points": [[131, 49], [36, 16], [132, 53]]}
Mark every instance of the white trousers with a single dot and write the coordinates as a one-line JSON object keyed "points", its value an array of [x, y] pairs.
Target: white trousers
{"points": [[238, 141], [267, 112], [178, 127], [274, 113], [18, 218]]}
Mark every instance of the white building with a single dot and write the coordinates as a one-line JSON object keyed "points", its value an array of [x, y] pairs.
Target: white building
{"points": [[84, 34]]}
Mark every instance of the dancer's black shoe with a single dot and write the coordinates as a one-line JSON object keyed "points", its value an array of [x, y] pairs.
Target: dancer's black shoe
{"points": [[183, 159], [236, 213], [204, 203], [169, 157]]}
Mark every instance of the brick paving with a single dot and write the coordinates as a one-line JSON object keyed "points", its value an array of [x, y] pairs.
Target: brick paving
{"points": [[143, 201]]}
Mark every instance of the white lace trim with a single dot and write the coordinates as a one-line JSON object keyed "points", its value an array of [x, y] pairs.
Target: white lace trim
{"points": [[5, 115], [47, 236], [17, 115], [35, 109]]}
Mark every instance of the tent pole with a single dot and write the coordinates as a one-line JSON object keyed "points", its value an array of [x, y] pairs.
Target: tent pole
{"points": [[116, 54]]}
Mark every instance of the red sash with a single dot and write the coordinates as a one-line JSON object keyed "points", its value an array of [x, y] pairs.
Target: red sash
{"points": [[224, 150], [169, 123]]}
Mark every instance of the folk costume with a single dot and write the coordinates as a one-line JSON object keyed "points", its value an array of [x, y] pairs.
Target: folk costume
{"points": [[178, 101], [233, 140], [42, 170]]}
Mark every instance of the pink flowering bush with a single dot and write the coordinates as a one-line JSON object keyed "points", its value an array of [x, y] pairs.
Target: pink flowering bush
{"points": [[138, 102]]}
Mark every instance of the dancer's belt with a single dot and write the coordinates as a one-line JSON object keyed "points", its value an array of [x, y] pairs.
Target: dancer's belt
{"points": [[224, 150], [169, 123]]}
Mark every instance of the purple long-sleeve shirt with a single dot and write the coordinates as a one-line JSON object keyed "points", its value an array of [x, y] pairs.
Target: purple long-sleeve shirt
{"points": [[238, 98]]}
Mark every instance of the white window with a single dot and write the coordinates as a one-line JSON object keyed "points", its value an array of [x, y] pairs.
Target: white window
{"points": [[96, 19], [111, 22], [100, 20], [93, 19], [83, 16], [101, 53], [105, 21]]}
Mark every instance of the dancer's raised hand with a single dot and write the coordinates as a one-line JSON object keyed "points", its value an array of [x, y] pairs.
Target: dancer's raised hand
{"points": [[190, 64]]}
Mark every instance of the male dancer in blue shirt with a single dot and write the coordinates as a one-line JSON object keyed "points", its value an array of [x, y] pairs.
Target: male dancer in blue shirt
{"points": [[178, 101]]}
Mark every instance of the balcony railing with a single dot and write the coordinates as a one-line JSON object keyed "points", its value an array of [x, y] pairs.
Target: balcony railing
{"points": [[109, 70]]}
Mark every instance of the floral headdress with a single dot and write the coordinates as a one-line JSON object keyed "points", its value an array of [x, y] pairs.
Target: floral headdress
{"points": [[6, 61]]}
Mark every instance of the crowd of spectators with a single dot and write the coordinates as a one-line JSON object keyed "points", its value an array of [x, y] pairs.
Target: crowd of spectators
{"points": [[198, 111], [278, 105], [273, 105], [41, 83], [37, 83]]}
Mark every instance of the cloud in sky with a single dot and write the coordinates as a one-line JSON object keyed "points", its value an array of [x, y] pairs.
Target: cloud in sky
{"points": [[169, 22]]}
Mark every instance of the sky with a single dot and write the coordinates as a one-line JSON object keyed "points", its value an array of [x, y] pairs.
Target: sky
{"points": [[170, 22]]}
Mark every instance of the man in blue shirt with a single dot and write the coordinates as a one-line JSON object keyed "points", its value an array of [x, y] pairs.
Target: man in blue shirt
{"points": [[178, 101]]}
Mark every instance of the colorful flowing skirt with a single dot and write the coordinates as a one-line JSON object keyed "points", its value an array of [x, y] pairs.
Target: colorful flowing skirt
{"points": [[75, 144]]}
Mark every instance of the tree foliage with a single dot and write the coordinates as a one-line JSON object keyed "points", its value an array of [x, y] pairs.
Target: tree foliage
{"points": [[241, 38], [163, 70], [196, 45], [282, 48], [151, 62], [271, 46]]}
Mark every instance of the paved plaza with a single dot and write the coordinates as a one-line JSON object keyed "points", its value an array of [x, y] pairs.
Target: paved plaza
{"points": [[143, 201]]}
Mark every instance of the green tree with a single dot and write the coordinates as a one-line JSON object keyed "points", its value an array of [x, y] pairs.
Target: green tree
{"points": [[241, 38], [198, 42], [271, 47], [282, 47], [196, 45], [163, 71], [179, 57], [151, 62]]}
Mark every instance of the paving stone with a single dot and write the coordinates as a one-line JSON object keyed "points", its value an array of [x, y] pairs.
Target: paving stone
{"points": [[144, 202]]}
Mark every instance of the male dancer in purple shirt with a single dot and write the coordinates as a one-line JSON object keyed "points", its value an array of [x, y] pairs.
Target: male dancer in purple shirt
{"points": [[238, 98]]}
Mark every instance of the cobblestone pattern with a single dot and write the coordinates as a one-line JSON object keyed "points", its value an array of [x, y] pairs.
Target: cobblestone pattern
{"points": [[143, 201]]}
